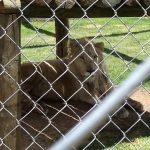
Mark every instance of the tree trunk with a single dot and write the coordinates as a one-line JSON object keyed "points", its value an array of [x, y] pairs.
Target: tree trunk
{"points": [[9, 79], [61, 36]]}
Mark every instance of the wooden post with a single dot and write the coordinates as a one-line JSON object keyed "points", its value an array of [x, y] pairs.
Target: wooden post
{"points": [[61, 32], [9, 77]]}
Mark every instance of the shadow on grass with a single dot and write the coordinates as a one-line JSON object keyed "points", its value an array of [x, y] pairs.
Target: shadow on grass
{"points": [[119, 34], [106, 50], [109, 135], [37, 46], [29, 26], [113, 133], [124, 56]]}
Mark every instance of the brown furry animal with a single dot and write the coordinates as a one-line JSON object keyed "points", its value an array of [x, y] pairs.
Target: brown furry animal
{"points": [[72, 77], [80, 76]]}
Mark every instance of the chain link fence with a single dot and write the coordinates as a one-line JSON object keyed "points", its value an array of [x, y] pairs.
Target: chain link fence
{"points": [[58, 62]]}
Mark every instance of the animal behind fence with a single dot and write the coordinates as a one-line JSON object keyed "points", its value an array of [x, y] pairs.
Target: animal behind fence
{"points": [[72, 77]]}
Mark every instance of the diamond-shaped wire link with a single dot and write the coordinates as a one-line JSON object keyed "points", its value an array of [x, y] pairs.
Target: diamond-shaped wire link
{"points": [[43, 119]]}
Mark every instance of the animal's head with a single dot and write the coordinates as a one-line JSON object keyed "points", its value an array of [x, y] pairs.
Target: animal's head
{"points": [[84, 57]]}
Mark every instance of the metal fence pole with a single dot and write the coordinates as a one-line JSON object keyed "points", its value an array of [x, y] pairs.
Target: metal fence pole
{"points": [[96, 118]]}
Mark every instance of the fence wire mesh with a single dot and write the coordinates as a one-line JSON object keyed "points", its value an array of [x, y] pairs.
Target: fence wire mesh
{"points": [[58, 92], [98, 116]]}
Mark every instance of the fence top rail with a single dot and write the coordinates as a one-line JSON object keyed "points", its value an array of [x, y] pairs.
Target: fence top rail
{"points": [[68, 4], [77, 12], [72, 8]]}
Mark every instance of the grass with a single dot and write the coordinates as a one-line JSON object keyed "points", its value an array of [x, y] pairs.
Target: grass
{"points": [[126, 45], [124, 50]]}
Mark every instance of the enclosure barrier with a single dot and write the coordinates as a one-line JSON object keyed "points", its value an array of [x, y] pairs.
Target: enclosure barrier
{"points": [[97, 117], [36, 129]]}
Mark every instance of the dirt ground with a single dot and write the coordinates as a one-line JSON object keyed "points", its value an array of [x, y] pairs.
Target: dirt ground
{"points": [[40, 131], [143, 97]]}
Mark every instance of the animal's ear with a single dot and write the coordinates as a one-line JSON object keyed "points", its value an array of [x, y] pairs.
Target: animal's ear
{"points": [[99, 46], [72, 46], [72, 43]]}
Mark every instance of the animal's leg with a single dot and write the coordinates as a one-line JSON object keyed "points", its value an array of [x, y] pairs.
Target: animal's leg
{"points": [[136, 105]]}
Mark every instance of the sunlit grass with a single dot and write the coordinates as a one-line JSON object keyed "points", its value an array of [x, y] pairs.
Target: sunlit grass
{"points": [[128, 38], [126, 45]]}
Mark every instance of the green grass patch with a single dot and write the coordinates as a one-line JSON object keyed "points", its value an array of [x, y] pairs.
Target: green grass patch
{"points": [[126, 45], [126, 41]]}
